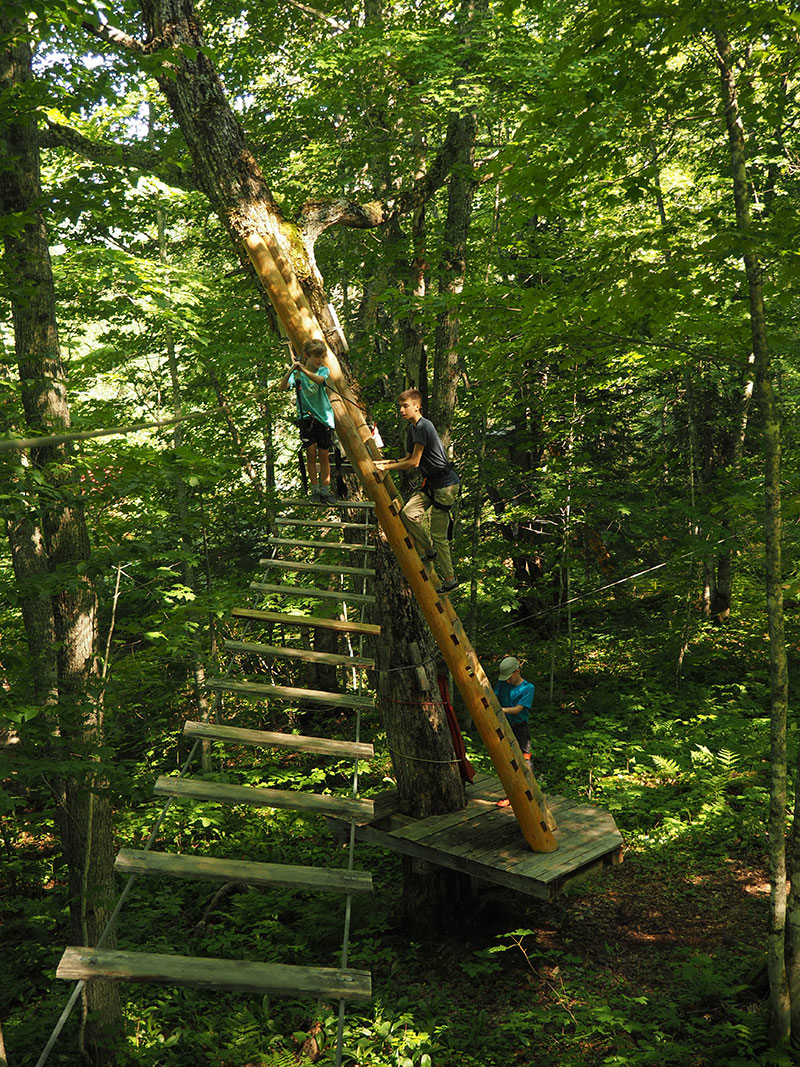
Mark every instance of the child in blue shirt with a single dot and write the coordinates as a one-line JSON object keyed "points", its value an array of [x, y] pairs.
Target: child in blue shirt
{"points": [[516, 698], [315, 415]]}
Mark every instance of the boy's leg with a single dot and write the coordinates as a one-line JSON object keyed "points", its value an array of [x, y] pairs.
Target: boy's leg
{"points": [[413, 515], [324, 466], [311, 455], [440, 522]]}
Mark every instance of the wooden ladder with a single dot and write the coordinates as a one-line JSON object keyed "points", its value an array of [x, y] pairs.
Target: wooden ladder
{"points": [[342, 983]]}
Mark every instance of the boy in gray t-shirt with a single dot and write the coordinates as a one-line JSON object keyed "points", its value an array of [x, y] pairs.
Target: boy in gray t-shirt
{"points": [[439, 491]]}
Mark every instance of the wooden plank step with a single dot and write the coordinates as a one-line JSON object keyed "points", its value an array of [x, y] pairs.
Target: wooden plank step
{"points": [[346, 546], [305, 502], [257, 797], [317, 594], [245, 872], [316, 568], [300, 653], [328, 524], [323, 746], [207, 973], [261, 691], [343, 626]]}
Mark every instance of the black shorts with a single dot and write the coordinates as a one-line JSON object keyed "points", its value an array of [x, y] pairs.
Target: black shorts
{"points": [[523, 736], [316, 433]]}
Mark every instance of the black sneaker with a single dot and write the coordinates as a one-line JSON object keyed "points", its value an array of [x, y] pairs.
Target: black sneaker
{"points": [[449, 585]]}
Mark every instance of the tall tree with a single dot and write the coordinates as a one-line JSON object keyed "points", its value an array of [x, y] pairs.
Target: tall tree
{"points": [[785, 1014], [83, 810]]}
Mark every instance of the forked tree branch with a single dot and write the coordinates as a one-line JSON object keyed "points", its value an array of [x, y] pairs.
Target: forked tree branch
{"points": [[55, 135]]}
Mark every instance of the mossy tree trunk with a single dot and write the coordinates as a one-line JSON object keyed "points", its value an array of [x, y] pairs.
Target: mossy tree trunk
{"points": [[83, 811]]}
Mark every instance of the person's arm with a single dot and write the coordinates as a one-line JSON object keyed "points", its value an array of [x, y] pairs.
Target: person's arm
{"points": [[409, 461], [283, 384], [318, 378], [515, 710]]}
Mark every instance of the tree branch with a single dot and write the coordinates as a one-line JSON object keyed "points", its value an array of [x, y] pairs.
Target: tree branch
{"points": [[111, 35], [54, 135], [315, 216], [334, 23]]}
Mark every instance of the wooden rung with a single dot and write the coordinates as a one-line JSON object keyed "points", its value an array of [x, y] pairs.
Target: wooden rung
{"points": [[286, 692], [316, 568], [245, 872], [226, 793], [304, 502], [300, 653], [340, 625], [328, 524], [318, 594], [346, 546], [323, 746], [207, 973]]}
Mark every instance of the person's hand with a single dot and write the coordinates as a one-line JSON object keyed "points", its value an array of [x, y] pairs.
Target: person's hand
{"points": [[381, 464]]}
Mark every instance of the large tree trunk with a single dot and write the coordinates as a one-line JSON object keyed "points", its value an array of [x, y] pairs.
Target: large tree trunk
{"points": [[84, 818], [427, 774], [785, 1008], [231, 178], [451, 277]]}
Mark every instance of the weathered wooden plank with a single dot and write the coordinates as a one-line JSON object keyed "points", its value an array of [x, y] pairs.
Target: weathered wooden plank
{"points": [[208, 973], [226, 793], [387, 840], [316, 568], [344, 546], [304, 502], [286, 619], [289, 693], [300, 653], [328, 524], [323, 746], [245, 872], [440, 824], [315, 594]]}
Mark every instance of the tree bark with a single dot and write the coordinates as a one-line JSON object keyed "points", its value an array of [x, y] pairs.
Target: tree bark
{"points": [[785, 1007], [84, 819], [451, 276]]}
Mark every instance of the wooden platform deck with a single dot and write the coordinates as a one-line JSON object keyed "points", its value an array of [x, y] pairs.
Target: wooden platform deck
{"points": [[485, 842]]}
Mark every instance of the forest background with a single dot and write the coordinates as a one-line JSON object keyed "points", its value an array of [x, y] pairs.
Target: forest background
{"points": [[575, 228]]}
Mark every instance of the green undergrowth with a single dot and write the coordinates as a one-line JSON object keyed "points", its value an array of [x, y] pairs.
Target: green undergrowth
{"points": [[656, 962]]}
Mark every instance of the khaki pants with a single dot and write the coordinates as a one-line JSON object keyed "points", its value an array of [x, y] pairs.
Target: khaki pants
{"points": [[413, 515]]}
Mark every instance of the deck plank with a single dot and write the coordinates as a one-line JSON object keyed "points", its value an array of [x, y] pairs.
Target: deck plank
{"points": [[328, 524], [316, 568], [344, 546], [206, 973], [260, 691], [310, 593], [244, 872], [288, 619], [256, 797], [323, 746], [308, 656]]}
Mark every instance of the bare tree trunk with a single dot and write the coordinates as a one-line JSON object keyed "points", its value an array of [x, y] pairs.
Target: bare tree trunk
{"points": [[785, 1006], [427, 774], [85, 818], [231, 178], [451, 277]]}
